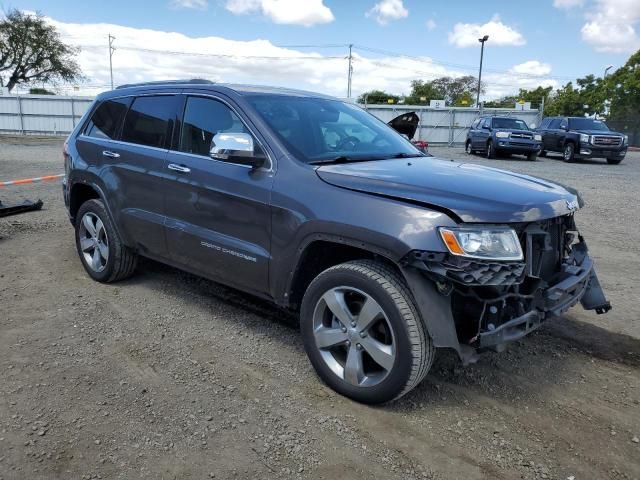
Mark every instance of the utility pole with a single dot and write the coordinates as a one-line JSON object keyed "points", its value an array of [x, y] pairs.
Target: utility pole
{"points": [[111, 50], [349, 74], [481, 40]]}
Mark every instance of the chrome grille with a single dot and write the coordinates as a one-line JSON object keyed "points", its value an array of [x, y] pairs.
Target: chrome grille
{"points": [[528, 136], [607, 140]]}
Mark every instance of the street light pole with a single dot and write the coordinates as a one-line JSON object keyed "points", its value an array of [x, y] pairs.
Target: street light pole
{"points": [[481, 40]]}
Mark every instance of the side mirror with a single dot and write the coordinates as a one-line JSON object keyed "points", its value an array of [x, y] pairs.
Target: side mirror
{"points": [[486, 127], [564, 127], [236, 148]]}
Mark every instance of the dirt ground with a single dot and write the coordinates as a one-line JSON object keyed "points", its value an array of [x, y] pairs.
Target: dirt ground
{"points": [[169, 376]]}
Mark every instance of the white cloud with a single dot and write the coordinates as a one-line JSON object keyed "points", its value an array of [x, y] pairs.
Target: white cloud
{"points": [[431, 24], [568, 3], [230, 61], [611, 26], [193, 4], [387, 11], [532, 67], [286, 12], [467, 34]]}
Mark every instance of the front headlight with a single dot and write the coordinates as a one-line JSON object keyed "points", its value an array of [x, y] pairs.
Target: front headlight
{"points": [[537, 137], [489, 243], [584, 138], [625, 140], [502, 134]]}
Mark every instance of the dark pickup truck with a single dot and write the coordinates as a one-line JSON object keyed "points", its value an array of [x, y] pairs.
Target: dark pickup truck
{"points": [[316, 205], [579, 137]]}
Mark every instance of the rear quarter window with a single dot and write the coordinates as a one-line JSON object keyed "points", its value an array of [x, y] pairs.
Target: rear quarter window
{"points": [[107, 119], [150, 121]]}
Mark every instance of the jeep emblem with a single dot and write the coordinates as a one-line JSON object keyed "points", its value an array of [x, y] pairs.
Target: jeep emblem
{"points": [[572, 205]]}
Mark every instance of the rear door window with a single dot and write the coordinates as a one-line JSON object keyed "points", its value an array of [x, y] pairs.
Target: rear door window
{"points": [[107, 119], [150, 121]]}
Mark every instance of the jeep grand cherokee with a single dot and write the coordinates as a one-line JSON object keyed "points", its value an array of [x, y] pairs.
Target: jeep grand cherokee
{"points": [[318, 206]]}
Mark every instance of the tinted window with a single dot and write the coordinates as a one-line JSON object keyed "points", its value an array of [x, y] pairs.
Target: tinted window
{"points": [[149, 121], [587, 124], [317, 129], [487, 123], [204, 118], [554, 124], [107, 119], [544, 123], [512, 123], [564, 123]]}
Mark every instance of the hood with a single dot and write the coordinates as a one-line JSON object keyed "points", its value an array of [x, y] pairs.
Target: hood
{"points": [[406, 124], [467, 192]]}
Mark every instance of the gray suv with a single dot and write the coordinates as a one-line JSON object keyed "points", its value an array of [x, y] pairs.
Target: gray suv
{"points": [[316, 205]]}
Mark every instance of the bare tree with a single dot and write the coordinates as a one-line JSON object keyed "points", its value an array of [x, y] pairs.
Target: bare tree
{"points": [[31, 51]]}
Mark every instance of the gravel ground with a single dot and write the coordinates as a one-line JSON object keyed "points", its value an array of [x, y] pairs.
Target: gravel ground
{"points": [[170, 376]]}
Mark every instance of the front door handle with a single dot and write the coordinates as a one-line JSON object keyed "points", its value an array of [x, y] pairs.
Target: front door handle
{"points": [[110, 154], [178, 168]]}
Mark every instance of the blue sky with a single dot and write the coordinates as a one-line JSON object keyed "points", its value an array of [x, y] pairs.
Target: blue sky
{"points": [[547, 41]]}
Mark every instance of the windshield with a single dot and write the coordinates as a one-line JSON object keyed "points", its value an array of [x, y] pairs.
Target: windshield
{"points": [[510, 123], [316, 129], [587, 124]]}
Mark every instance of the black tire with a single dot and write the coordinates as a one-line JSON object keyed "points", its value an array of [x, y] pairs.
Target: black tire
{"points": [[414, 350], [491, 151], [614, 161], [568, 153], [532, 157], [542, 153], [467, 148], [121, 262]]}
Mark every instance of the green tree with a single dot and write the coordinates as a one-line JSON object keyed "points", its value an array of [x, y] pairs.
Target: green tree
{"points": [[31, 51], [377, 97], [623, 89], [40, 91], [422, 90]]}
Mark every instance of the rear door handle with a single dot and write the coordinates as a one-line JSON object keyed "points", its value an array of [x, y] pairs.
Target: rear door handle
{"points": [[178, 168], [110, 154]]}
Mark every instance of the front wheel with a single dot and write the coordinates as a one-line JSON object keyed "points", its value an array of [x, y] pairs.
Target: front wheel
{"points": [[491, 151], [532, 157], [467, 148], [363, 334], [568, 153]]}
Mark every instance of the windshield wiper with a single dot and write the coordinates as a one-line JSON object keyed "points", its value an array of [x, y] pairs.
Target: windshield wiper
{"points": [[345, 159], [407, 155]]}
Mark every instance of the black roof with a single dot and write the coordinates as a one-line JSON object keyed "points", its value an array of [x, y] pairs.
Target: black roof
{"points": [[213, 86]]}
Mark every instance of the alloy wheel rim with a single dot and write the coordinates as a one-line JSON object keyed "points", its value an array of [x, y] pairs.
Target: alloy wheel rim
{"points": [[567, 152], [94, 242], [354, 336]]}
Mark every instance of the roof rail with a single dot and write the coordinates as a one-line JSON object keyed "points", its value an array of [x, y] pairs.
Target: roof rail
{"points": [[167, 82]]}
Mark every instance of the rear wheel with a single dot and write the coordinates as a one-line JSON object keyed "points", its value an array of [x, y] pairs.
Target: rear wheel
{"points": [[103, 255], [363, 334], [568, 154], [491, 151], [614, 161]]}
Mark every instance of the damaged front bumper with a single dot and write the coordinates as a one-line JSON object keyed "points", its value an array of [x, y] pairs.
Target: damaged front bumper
{"points": [[472, 305]]}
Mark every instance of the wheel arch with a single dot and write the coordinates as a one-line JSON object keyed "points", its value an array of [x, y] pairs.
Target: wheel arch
{"points": [[82, 190], [321, 252]]}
